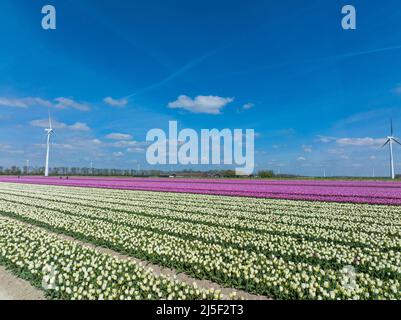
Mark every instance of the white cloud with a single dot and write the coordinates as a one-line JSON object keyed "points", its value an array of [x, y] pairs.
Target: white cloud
{"points": [[247, 106], [97, 141], [79, 126], [66, 103], [136, 150], [324, 139], [307, 149], [124, 144], [336, 151], [59, 103], [118, 154], [44, 123], [5, 148], [360, 142], [201, 104], [356, 142], [115, 102], [301, 159], [119, 136], [23, 102]]}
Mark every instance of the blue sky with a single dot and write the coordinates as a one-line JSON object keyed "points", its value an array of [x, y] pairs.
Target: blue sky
{"points": [[317, 96]]}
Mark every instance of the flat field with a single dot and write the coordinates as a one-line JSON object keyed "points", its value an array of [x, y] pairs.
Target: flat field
{"points": [[374, 192], [271, 248]]}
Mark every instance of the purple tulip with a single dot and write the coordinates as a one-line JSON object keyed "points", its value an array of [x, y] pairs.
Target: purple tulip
{"points": [[374, 192]]}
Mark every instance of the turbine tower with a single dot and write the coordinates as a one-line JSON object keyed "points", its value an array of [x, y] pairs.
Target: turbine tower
{"points": [[49, 132], [390, 140]]}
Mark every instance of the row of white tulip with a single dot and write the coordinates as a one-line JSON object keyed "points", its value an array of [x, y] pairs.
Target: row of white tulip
{"points": [[208, 202], [356, 217], [242, 268], [66, 270], [337, 232], [385, 263], [216, 204]]}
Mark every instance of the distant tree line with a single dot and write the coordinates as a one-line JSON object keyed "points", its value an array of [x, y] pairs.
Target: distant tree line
{"points": [[74, 171], [85, 171]]}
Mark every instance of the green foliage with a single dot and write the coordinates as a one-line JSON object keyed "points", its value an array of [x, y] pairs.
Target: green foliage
{"points": [[266, 174]]}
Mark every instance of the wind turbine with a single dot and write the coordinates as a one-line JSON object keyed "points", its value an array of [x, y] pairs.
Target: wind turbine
{"points": [[390, 140], [49, 132]]}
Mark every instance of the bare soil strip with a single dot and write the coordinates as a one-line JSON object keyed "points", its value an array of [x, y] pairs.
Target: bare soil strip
{"points": [[35, 294], [13, 288]]}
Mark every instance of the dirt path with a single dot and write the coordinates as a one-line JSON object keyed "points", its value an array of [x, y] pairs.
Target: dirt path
{"points": [[156, 269], [13, 288]]}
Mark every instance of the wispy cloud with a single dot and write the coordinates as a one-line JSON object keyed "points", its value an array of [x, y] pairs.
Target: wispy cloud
{"points": [[118, 154], [68, 103], [136, 150], [307, 149], [115, 102], [79, 126], [44, 123], [367, 116], [6, 148], [371, 51], [124, 144], [201, 104], [174, 75], [324, 139], [247, 106], [59, 103], [355, 142], [336, 151], [119, 136], [316, 60], [397, 89], [24, 102], [360, 142]]}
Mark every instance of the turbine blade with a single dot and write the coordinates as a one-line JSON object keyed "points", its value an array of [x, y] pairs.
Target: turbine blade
{"points": [[396, 141], [50, 120], [387, 142]]}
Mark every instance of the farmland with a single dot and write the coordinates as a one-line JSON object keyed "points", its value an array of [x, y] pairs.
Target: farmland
{"points": [[276, 248], [374, 192]]}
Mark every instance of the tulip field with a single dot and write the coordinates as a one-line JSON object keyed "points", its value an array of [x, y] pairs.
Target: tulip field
{"points": [[275, 248], [373, 192]]}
